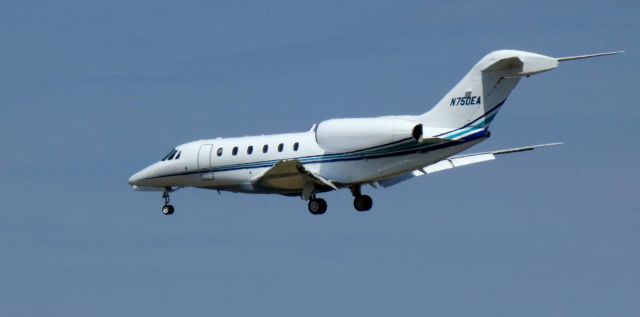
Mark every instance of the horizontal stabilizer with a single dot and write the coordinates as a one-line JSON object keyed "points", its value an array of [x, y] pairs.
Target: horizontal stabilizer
{"points": [[573, 58]]}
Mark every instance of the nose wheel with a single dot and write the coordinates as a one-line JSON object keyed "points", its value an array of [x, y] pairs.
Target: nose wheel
{"points": [[167, 209]]}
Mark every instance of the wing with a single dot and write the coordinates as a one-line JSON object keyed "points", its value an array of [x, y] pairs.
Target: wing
{"points": [[457, 161], [290, 175]]}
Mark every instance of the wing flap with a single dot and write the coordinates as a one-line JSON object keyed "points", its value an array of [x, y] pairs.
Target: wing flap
{"points": [[291, 175], [437, 167], [466, 160]]}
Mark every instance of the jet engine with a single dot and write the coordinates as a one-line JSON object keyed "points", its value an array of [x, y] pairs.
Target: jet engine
{"points": [[344, 135]]}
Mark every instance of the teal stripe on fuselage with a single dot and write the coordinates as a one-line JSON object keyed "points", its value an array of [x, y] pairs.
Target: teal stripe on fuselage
{"points": [[480, 125], [404, 147], [388, 148], [484, 119], [413, 147]]}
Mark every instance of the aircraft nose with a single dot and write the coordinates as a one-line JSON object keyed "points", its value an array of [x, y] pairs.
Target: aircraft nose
{"points": [[147, 177], [135, 178], [141, 177]]}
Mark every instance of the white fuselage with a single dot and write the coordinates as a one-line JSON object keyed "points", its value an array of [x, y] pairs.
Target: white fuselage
{"points": [[226, 164]]}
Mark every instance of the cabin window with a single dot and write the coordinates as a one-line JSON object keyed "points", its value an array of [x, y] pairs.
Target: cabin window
{"points": [[219, 151], [250, 149], [296, 146], [234, 152], [280, 147], [265, 148], [177, 155]]}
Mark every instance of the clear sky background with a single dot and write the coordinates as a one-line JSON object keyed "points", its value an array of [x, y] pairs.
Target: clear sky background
{"points": [[92, 91]]}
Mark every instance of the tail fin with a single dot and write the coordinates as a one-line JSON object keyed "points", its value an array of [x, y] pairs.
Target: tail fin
{"points": [[474, 102]]}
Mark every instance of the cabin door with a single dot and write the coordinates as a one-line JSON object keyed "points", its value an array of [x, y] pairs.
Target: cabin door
{"points": [[205, 165]]}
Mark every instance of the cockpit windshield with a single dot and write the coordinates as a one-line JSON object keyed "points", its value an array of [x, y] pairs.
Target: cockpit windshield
{"points": [[174, 154]]}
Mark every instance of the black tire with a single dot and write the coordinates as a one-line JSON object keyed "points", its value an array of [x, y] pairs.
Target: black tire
{"points": [[363, 203], [317, 206], [323, 205], [167, 210]]}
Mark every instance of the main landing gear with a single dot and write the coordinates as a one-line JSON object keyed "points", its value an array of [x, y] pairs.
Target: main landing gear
{"points": [[167, 209], [318, 206], [361, 202]]}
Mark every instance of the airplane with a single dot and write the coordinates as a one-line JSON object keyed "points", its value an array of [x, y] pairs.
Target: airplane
{"points": [[349, 153]]}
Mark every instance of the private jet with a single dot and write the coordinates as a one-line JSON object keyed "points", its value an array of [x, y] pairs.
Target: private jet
{"points": [[349, 153]]}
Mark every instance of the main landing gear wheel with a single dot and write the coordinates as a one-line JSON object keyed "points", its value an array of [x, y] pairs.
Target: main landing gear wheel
{"points": [[362, 203], [167, 209], [317, 206]]}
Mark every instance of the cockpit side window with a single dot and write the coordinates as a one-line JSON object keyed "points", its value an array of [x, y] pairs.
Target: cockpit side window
{"points": [[171, 156], [177, 155], [168, 155]]}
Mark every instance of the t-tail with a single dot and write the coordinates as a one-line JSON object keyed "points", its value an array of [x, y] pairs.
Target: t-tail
{"points": [[470, 107]]}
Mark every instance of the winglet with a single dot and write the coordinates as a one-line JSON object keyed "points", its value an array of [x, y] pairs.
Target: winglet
{"points": [[573, 58]]}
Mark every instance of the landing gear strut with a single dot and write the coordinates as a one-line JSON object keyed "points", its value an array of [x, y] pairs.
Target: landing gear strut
{"points": [[361, 202], [167, 209], [317, 206]]}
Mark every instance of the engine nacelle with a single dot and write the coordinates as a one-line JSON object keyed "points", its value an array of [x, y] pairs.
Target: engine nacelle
{"points": [[344, 135]]}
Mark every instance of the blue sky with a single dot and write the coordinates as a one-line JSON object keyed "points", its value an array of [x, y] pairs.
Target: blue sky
{"points": [[93, 91]]}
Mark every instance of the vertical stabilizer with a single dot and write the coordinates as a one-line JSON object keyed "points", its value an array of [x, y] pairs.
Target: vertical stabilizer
{"points": [[474, 102]]}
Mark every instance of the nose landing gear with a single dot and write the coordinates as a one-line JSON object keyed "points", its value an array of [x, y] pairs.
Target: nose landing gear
{"points": [[167, 209]]}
